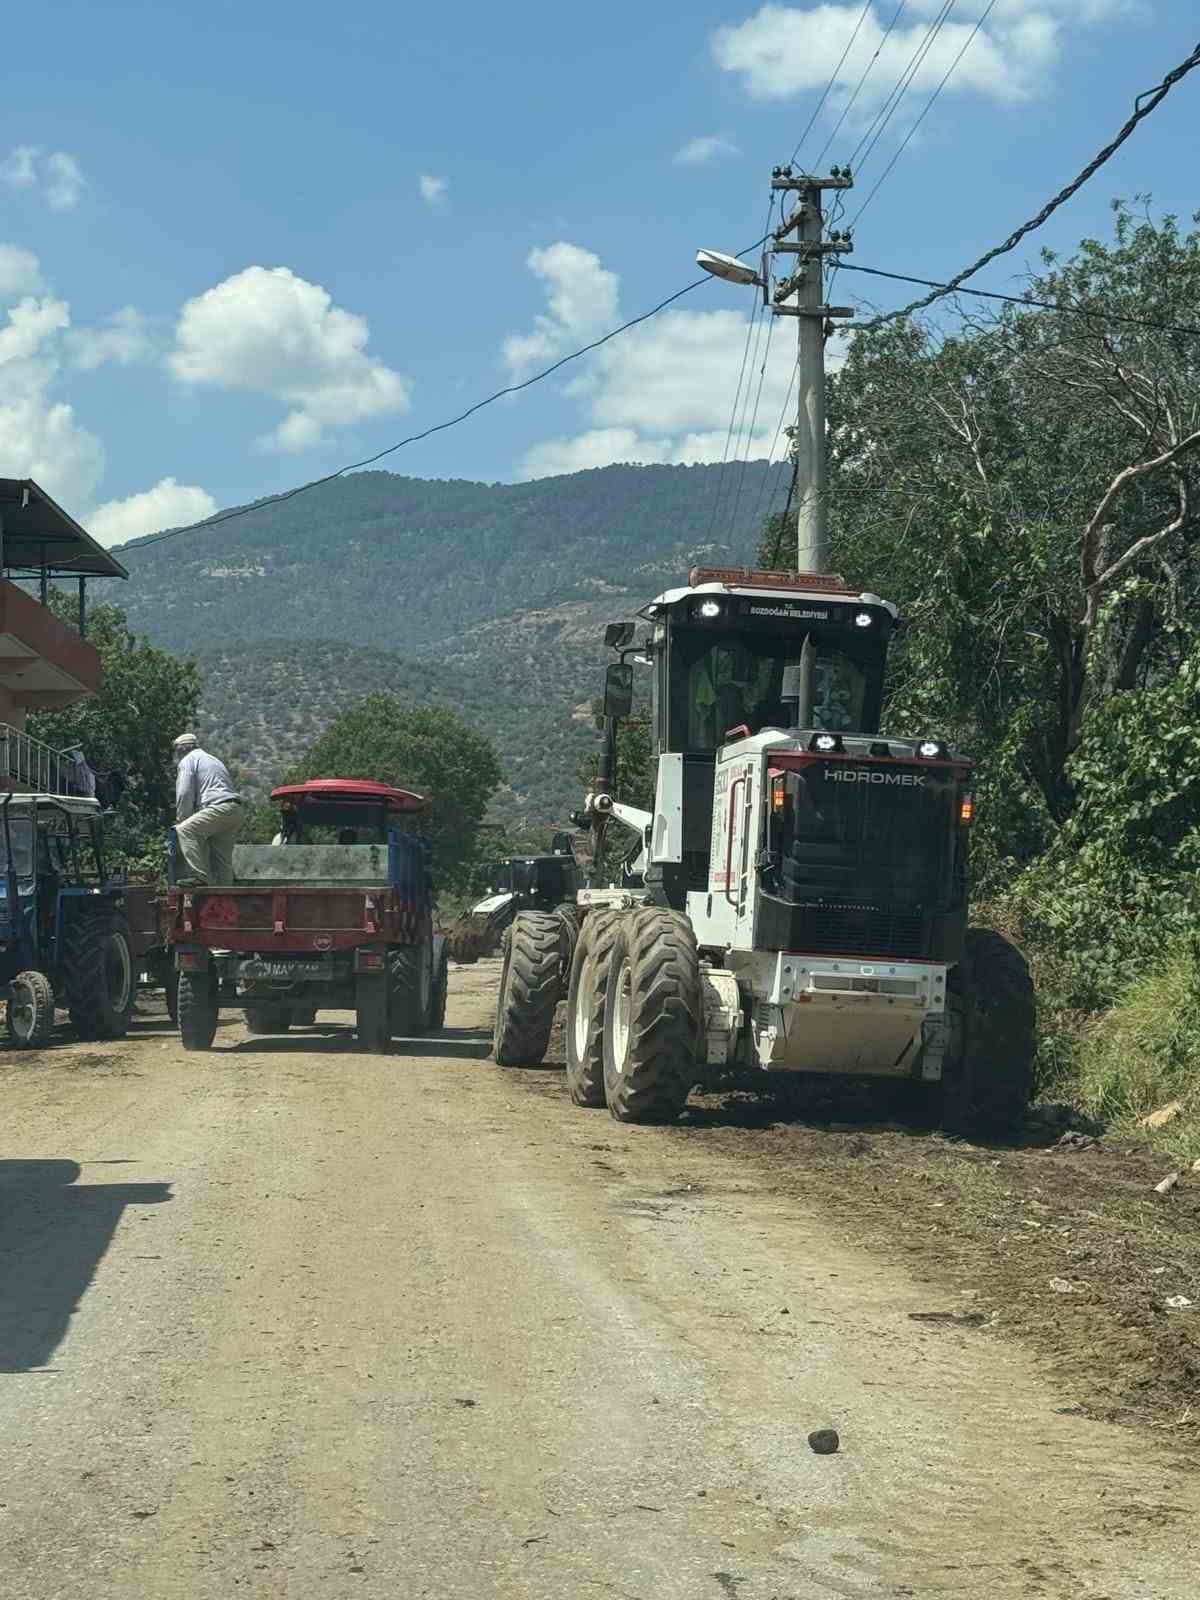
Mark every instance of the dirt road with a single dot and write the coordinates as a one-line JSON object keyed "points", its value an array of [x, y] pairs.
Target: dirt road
{"points": [[288, 1321]]}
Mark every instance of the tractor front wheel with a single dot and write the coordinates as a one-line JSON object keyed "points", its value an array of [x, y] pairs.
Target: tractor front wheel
{"points": [[199, 1004], [30, 1011], [99, 976], [268, 1018], [530, 986], [653, 1017], [988, 1087]]}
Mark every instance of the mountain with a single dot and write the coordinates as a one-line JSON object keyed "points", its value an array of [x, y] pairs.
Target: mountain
{"points": [[486, 597]]}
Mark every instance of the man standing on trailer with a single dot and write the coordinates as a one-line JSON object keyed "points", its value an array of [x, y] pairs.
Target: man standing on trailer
{"points": [[208, 812]]}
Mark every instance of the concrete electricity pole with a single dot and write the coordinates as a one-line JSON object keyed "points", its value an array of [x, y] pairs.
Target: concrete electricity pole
{"points": [[806, 283]]}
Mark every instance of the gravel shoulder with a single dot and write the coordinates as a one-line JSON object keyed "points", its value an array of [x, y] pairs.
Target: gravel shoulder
{"points": [[296, 1322]]}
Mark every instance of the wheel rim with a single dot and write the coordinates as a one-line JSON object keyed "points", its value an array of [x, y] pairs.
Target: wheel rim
{"points": [[585, 1000], [22, 1013], [118, 972], [622, 1010]]}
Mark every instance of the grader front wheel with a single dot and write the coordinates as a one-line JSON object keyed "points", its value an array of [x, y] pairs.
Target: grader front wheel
{"points": [[585, 1008], [653, 1017]]}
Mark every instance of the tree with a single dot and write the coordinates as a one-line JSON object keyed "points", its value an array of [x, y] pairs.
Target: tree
{"points": [[432, 751], [146, 699], [1025, 490]]}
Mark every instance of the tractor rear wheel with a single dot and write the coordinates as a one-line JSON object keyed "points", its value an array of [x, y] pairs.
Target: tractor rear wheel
{"points": [[411, 1001], [988, 1088], [272, 1017], [441, 985], [530, 986], [171, 992], [198, 1007], [99, 975], [30, 1011], [585, 1007], [653, 1017], [372, 1011]]}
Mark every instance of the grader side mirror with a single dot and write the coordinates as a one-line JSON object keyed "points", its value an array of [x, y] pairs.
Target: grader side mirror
{"points": [[619, 634], [618, 690]]}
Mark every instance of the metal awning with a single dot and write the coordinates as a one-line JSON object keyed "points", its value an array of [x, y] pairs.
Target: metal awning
{"points": [[36, 535]]}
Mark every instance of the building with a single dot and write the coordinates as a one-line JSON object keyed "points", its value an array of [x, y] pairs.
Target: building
{"points": [[43, 661]]}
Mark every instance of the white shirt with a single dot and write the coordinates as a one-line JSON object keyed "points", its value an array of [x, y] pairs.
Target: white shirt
{"points": [[202, 781]]}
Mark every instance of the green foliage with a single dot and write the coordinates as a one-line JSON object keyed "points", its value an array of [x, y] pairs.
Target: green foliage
{"points": [[434, 752], [147, 698], [1146, 1052]]}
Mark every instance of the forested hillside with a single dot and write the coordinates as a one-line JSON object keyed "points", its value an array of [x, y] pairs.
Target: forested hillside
{"points": [[486, 597]]}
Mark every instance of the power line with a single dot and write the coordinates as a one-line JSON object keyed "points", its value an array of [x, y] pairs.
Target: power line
{"points": [[926, 109], [439, 427], [866, 145], [753, 422], [1028, 301], [833, 77], [1153, 98], [753, 328], [866, 72]]}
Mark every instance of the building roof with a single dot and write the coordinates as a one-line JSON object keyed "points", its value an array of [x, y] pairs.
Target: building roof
{"points": [[36, 533], [360, 789]]}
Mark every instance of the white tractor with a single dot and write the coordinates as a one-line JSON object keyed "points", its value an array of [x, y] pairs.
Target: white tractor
{"points": [[797, 899]]}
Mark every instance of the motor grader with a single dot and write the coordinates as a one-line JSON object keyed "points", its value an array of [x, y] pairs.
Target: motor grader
{"points": [[797, 900]]}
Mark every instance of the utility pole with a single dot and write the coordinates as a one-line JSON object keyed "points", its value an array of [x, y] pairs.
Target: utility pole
{"points": [[806, 284]]}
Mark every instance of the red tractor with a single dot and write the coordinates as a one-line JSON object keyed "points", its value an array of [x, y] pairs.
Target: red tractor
{"points": [[335, 914]]}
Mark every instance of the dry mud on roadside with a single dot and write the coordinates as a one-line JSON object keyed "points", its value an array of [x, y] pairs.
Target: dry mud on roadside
{"points": [[996, 1232]]}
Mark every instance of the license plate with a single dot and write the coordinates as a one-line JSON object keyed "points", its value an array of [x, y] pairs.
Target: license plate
{"points": [[290, 971]]}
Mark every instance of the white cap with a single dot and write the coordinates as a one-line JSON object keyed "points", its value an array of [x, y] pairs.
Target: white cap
{"points": [[185, 742]]}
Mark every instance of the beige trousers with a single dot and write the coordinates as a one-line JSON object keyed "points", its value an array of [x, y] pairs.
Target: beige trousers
{"points": [[206, 841]]}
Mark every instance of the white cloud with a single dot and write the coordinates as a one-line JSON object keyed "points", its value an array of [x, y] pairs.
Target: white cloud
{"points": [[782, 51], [39, 435], [699, 151], [124, 338], [433, 190], [58, 176], [65, 181], [268, 331], [167, 505], [17, 169], [661, 392], [20, 273], [582, 299]]}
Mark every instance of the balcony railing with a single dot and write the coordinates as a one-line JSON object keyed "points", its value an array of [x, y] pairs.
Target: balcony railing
{"points": [[28, 763]]}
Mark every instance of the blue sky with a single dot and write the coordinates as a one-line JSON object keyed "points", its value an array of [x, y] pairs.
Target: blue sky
{"points": [[244, 243]]}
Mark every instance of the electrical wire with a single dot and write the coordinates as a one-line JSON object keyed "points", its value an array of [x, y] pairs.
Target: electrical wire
{"points": [[926, 109], [866, 73], [753, 327], [1024, 300], [1153, 98], [762, 373], [833, 77], [438, 427], [866, 145], [775, 438]]}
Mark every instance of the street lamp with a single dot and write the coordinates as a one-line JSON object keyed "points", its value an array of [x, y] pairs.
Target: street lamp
{"points": [[728, 267]]}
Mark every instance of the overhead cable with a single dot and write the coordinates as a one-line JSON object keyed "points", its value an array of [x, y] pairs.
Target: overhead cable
{"points": [[1152, 97]]}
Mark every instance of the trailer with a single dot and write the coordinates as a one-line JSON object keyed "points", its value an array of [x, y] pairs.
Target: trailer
{"points": [[336, 914]]}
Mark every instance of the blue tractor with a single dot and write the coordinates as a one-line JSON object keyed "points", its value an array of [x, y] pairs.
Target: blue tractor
{"points": [[65, 936]]}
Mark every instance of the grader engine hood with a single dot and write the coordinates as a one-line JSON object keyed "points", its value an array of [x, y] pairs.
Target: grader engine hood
{"points": [[844, 845]]}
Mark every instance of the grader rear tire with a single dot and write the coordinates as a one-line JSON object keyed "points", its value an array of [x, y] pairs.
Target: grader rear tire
{"points": [[987, 1091], [585, 1008], [530, 986], [653, 1017]]}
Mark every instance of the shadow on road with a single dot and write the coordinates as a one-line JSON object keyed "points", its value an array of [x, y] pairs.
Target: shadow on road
{"points": [[337, 1038], [53, 1235]]}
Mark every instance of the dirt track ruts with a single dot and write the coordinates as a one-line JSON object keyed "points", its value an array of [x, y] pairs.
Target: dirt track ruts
{"points": [[290, 1321]]}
